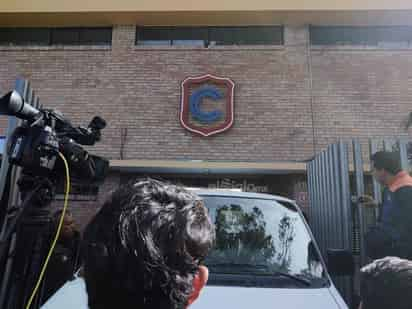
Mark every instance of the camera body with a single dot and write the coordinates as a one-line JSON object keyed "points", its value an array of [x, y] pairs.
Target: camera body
{"points": [[35, 145], [34, 149]]}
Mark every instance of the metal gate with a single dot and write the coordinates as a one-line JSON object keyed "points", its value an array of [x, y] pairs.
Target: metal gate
{"points": [[336, 178], [23, 87]]}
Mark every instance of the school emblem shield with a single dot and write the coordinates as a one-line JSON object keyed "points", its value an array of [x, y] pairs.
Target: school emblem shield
{"points": [[207, 105]]}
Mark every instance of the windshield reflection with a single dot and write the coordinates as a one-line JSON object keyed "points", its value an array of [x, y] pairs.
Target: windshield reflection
{"points": [[260, 237]]}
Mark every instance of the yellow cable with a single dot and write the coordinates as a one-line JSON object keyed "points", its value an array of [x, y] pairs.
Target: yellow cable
{"points": [[56, 237]]}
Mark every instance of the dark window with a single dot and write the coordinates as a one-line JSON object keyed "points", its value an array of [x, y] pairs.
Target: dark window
{"points": [[24, 36], [189, 36], [65, 36], [81, 36], [246, 35], [205, 36], [194, 36], [55, 36], [153, 36], [322, 35], [95, 36]]}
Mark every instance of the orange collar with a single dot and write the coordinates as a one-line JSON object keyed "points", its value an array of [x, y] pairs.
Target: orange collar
{"points": [[402, 179]]}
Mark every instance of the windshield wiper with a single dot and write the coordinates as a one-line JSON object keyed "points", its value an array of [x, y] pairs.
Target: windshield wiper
{"points": [[238, 265], [290, 276], [299, 279]]}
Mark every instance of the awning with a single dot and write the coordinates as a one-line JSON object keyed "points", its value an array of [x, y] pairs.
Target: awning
{"points": [[207, 167]]}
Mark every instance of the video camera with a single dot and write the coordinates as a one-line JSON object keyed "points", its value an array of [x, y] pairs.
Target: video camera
{"points": [[26, 193], [35, 145]]}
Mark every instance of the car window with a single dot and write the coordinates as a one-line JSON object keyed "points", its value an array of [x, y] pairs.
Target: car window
{"points": [[258, 236], [2, 144]]}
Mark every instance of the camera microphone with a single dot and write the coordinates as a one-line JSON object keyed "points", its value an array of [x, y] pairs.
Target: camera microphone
{"points": [[13, 104]]}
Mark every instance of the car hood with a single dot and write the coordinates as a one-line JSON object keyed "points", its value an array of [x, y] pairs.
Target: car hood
{"points": [[266, 298]]}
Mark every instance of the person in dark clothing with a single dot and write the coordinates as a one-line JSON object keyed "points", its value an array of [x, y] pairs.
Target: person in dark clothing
{"points": [[145, 248], [392, 236], [66, 257], [387, 283]]}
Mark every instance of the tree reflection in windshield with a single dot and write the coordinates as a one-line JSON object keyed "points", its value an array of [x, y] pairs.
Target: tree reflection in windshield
{"points": [[286, 236], [260, 233], [241, 236]]}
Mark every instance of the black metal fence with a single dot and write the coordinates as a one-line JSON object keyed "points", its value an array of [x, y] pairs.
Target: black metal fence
{"points": [[337, 177], [6, 301]]}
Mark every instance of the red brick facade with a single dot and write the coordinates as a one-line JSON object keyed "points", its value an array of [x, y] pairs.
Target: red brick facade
{"points": [[356, 92]]}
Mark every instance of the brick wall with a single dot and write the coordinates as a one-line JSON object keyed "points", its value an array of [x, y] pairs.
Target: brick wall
{"points": [[361, 93], [139, 89], [356, 92], [83, 211]]}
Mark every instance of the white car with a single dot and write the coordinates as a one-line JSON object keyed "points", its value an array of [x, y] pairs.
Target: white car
{"points": [[265, 257]]}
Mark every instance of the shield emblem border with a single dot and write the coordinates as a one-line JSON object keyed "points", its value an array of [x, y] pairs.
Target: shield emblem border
{"points": [[184, 108]]}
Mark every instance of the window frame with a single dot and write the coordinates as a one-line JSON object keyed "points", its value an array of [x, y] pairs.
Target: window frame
{"points": [[374, 36], [16, 36], [208, 36]]}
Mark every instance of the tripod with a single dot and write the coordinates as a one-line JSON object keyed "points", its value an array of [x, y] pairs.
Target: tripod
{"points": [[23, 224], [26, 250], [36, 138]]}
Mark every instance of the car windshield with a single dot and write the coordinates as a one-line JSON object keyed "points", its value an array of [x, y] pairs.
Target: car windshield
{"points": [[2, 144], [260, 237]]}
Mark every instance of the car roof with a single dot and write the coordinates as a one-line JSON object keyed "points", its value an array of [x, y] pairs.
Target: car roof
{"points": [[230, 193]]}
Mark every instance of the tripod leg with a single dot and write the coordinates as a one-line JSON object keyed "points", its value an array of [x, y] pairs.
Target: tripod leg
{"points": [[7, 272], [32, 247], [39, 253]]}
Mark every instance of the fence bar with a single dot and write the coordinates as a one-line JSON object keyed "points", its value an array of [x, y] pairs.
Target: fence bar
{"points": [[322, 203], [360, 190], [311, 189], [316, 199], [330, 214], [337, 194], [346, 209], [403, 152], [331, 200], [22, 87], [346, 214], [377, 189]]}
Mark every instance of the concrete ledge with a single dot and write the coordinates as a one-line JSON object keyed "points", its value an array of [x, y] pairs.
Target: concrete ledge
{"points": [[361, 48], [208, 167], [210, 48]]}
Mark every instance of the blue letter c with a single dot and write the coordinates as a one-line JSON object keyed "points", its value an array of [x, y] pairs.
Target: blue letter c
{"points": [[196, 100]]}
